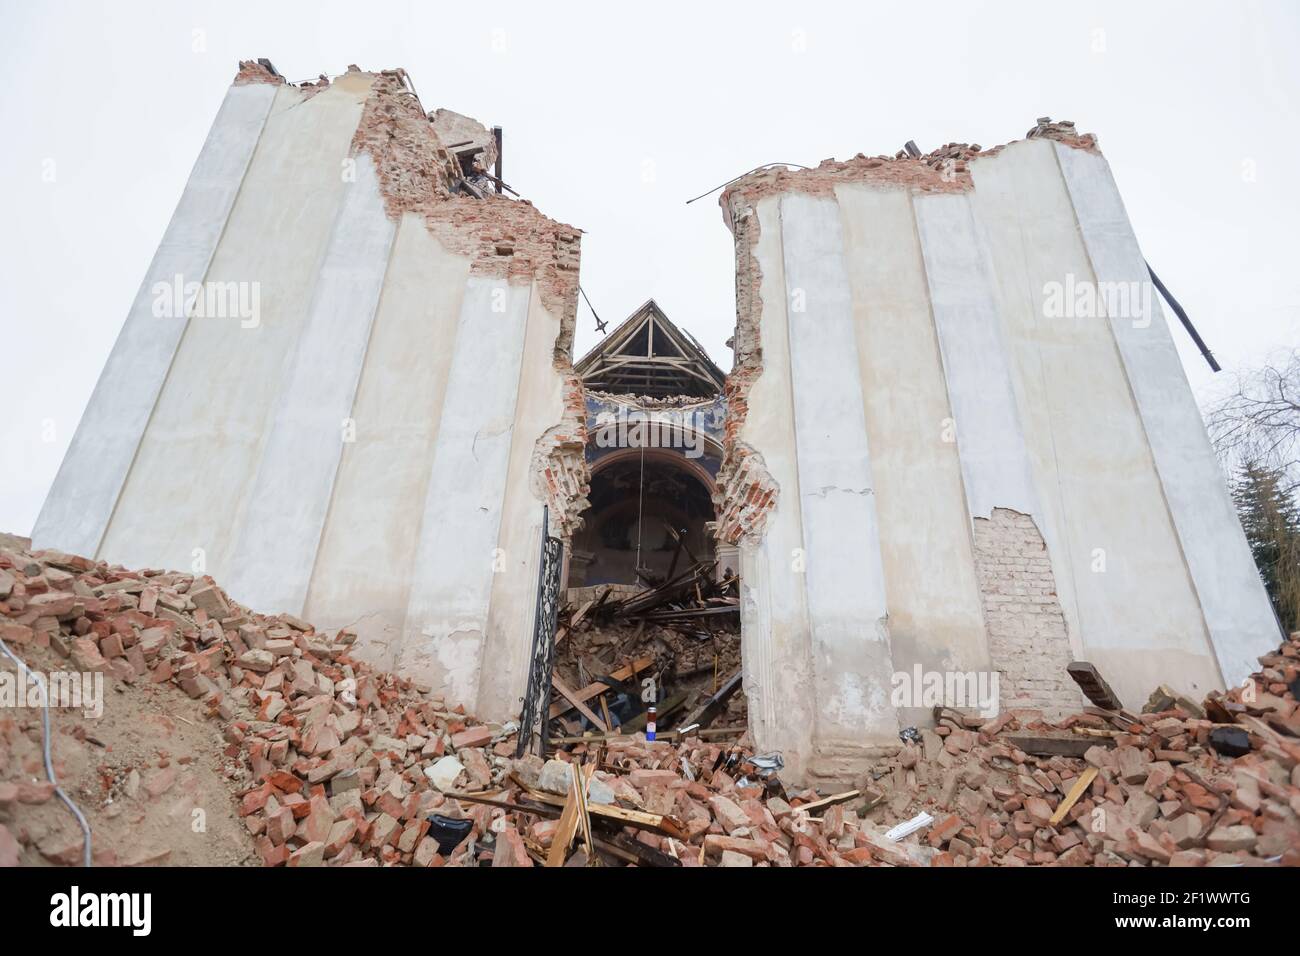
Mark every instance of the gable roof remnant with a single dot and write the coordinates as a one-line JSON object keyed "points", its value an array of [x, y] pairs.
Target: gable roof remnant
{"points": [[648, 355]]}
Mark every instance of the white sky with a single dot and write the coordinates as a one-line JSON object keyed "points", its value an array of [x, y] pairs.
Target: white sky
{"points": [[615, 115]]}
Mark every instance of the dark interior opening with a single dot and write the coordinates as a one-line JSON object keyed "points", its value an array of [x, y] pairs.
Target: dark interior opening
{"points": [[643, 503]]}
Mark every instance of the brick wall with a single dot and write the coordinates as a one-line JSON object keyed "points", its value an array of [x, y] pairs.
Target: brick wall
{"points": [[1028, 644]]}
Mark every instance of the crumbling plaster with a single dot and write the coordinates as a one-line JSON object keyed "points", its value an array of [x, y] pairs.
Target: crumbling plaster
{"points": [[411, 335], [909, 443], [966, 404]]}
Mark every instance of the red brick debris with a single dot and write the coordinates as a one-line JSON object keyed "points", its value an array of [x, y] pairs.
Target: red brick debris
{"points": [[331, 762]]}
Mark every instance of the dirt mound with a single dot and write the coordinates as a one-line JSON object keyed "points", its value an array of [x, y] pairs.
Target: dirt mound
{"points": [[148, 773]]}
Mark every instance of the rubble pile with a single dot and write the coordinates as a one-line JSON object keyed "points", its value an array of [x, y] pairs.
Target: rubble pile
{"points": [[328, 760], [670, 636], [332, 763], [1170, 786]]}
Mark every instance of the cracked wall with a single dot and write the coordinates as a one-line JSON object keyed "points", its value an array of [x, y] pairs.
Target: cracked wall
{"points": [[1028, 643], [376, 449], [960, 481]]}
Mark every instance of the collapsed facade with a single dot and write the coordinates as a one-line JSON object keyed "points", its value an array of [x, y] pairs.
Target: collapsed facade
{"points": [[916, 463], [955, 448], [373, 447], [655, 420]]}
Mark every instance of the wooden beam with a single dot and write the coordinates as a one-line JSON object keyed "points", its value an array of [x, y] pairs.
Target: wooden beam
{"points": [[706, 711], [1073, 796], [632, 851], [1041, 745], [548, 812], [573, 699], [830, 801], [581, 781], [591, 690], [707, 733], [632, 818], [564, 832]]}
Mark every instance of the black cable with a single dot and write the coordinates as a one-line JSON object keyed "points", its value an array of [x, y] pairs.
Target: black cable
{"points": [[600, 326], [1182, 317], [742, 176]]}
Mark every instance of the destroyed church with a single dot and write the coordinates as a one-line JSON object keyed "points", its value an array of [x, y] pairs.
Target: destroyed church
{"points": [[912, 466]]}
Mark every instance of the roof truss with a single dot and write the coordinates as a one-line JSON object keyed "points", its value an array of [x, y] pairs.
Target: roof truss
{"points": [[649, 355]]}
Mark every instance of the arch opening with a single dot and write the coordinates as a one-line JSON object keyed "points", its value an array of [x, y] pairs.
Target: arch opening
{"points": [[649, 517]]}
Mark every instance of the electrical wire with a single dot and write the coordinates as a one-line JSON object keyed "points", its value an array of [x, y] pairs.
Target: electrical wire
{"points": [[742, 176], [600, 326], [640, 503], [49, 762]]}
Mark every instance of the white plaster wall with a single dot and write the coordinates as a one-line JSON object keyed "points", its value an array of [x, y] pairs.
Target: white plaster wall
{"points": [[935, 616], [776, 645], [78, 508], [416, 523], [1240, 619], [451, 581], [276, 549], [193, 474], [361, 577], [882, 314], [959, 278], [512, 610], [1139, 620], [844, 577]]}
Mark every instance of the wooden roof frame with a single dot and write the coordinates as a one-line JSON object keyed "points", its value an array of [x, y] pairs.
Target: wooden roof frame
{"points": [[620, 366]]}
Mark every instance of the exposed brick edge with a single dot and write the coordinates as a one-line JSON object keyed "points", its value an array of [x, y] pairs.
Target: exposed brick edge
{"points": [[507, 238], [560, 475], [1029, 644], [745, 492], [250, 71], [946, 169], [502, 237]]}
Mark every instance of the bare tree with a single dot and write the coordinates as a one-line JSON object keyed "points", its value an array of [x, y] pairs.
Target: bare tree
{"points": [[1258, 420]]}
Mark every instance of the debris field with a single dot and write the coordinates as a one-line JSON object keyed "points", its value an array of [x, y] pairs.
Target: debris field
{"points": [[326, 761]]}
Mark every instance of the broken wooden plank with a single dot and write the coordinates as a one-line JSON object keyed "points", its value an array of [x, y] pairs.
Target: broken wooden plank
{"points": [[1071, 798], [705, 713], [1044, 745], [830, 801], [548, 812], [632, 818], [638, 854], [686, 614], [591, 690], [580, 781], [577, 702], [1094, 732], [535, 851], [706, 733], [564, 833]]}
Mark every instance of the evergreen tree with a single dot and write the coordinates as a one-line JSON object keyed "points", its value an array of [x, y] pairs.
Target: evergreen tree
{"points": [[1271, 519]]}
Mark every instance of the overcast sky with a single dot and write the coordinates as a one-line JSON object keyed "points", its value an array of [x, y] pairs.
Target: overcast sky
{"points": [[615, 115]]}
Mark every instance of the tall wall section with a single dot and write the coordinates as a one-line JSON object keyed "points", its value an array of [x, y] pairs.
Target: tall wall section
{"points": [[374, 446], [934, 467]]}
